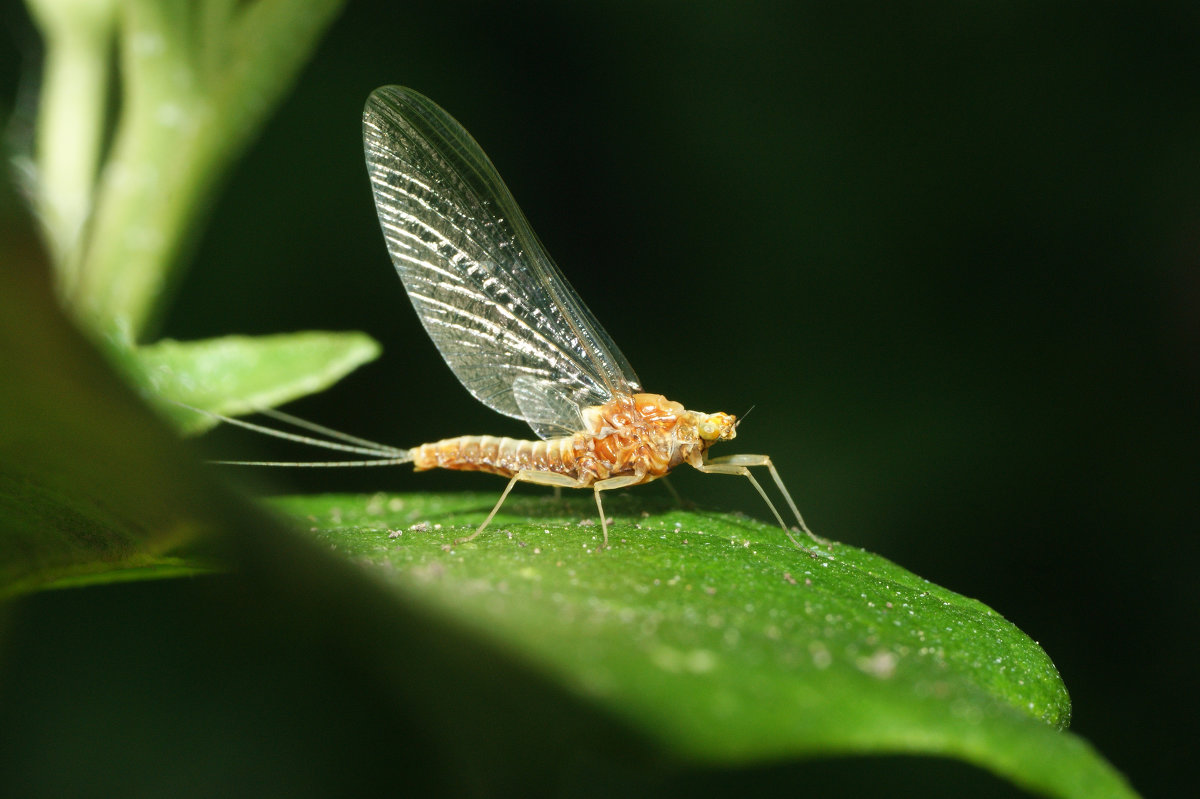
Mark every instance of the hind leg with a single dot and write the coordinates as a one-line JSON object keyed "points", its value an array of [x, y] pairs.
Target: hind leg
{"points": [[525, 476]]}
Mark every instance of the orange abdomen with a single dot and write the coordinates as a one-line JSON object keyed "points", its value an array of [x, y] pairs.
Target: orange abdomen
{"points": [[502, 456]]}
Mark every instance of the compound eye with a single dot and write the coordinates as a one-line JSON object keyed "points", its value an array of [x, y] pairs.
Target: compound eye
{"points": [[709, 430]]}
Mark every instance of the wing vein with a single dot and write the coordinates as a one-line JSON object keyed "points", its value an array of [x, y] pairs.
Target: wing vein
{"points": [[502, 315]]}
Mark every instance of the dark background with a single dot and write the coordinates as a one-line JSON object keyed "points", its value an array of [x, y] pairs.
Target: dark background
{"points": [[948, 252]]}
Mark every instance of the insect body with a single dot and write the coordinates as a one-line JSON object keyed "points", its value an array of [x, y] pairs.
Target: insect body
{"points": [[642, 436], [513, 330], [628, 441]]}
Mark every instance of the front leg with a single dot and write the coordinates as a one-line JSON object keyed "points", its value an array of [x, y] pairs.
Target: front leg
{"points": [[739, 464]]}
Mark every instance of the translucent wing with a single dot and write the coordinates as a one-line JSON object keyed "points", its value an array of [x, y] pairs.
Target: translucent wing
{"points": [[500, 312]]}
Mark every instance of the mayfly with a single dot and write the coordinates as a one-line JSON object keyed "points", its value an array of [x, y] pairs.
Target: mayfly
{"points": [[513, 330]]}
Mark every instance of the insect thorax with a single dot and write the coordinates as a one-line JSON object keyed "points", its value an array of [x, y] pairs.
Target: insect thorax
{"points": [[645, 434]]}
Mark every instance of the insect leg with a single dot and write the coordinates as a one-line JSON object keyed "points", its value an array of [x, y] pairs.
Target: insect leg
{"points": [[608, 485], [666, 483], [524, 476], [738, 464]]}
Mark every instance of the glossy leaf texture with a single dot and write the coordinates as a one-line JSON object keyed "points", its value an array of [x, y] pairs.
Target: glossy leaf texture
{"points": [[719, 640]]}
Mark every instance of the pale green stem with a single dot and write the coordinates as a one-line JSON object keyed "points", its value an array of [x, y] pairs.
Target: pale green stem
{"points": [[196, 90], [71, 123], [149, 191]]}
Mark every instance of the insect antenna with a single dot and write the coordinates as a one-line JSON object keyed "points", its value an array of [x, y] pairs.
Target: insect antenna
{"points": [[742, 418]]}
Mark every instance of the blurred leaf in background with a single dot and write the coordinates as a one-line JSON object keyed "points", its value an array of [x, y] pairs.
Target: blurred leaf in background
{"points": [[144, 106]]}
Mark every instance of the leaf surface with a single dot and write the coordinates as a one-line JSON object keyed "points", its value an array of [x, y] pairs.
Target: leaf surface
{"points": [[234, 375], [92, 488], [713, 635]]}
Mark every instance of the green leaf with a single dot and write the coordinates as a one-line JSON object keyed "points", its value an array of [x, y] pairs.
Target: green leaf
{"points": [[714, 636], [197, 81], [92, 488], [234, 375], [698, 641]]}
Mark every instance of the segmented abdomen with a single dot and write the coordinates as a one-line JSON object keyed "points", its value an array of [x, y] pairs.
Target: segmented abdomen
{"points": [[503, 456]]}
